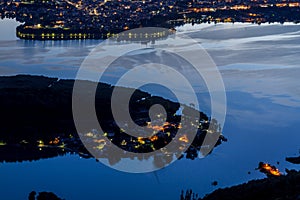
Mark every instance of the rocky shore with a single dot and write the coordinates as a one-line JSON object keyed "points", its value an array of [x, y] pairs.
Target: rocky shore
{"points": [[285, 187], [277, 186], [43, 196], [294, 160]]}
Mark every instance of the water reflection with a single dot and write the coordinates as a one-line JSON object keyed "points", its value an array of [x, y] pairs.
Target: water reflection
{"points": [[58, 43], [42, 149]]}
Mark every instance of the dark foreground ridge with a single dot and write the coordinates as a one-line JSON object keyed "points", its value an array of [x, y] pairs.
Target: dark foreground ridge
{"points": [[37, 122], [286, 187], [43, 196], [294, 160]]}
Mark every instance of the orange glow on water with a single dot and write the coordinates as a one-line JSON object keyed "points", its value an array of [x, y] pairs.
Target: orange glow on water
{"points": [[184, 139], [158, 128], [99, 141]]}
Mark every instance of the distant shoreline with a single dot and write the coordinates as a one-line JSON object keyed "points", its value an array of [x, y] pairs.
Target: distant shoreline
{"points": [[99, 20], [36, 33], [67, 34], [61, 34]]}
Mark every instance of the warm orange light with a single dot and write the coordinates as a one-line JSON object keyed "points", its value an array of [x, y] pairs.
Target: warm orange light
{"points": [[184, 139], [179, 126], [141, 140], [154, 138], [99, 141], [165, 126], [270, 169], [55, 141], [158, 128]]}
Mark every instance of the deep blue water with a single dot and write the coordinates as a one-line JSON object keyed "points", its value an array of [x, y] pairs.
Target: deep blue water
{"points": [[262, 124]]}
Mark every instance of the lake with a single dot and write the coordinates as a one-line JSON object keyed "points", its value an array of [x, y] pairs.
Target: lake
{"points": [[260, 69]]}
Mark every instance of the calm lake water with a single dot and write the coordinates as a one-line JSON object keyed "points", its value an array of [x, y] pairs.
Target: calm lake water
{"points": [[260, 69]]}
